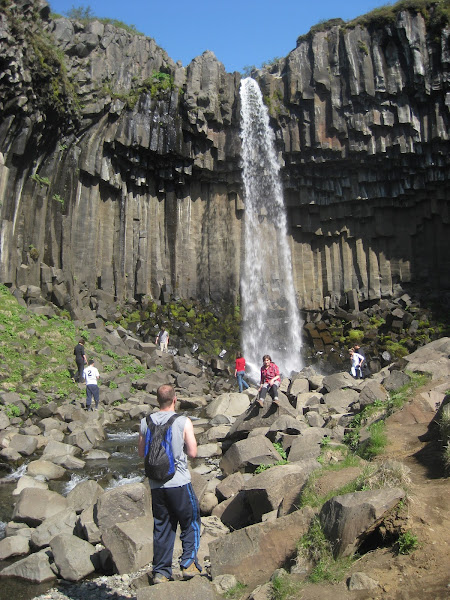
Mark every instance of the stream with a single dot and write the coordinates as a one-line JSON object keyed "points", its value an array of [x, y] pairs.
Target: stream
{"points": [[124, 466]]}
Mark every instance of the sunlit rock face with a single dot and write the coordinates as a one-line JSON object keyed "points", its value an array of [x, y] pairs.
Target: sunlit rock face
{"points": [[122, 173]]}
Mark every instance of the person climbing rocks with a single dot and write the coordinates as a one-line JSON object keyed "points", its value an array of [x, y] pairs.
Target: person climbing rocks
{"points": [[357, 361], [162, 339], [365, 371], [91, 376], [80, 359], [270, 381], [239, 372]]}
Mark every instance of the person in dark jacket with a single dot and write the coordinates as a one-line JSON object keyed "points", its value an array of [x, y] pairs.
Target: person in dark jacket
{"points": [[80, 359]]}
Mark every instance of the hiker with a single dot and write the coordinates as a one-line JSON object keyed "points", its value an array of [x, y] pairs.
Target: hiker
{"points": [[239, 372], [80, 359], [270, 381], [357, 361], [162, 339], [91, 376], [173, 501], [365, 371]]}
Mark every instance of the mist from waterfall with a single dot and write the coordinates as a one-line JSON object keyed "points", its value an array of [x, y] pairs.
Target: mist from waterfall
{"points": [[271, 322]]}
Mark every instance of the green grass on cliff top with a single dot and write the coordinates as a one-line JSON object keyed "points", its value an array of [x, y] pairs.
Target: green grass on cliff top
{"points": [[435, 12]]}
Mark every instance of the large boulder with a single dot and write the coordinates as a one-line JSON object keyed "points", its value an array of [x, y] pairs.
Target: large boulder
{"points": [[255, 416], [121, 504], [35, 568], [34, 506], [56, 449], [45, 469], [308, 443], [15, 545], [432, 358], [254, 551], [348, 519], [250, 453], [338, 381], [229, 404], [230, 486], [62, 522], [24, 444], [130, 544], [339, 400], [83, 495], [28, 482], [278, 488], [372, 392], [73, 557]]}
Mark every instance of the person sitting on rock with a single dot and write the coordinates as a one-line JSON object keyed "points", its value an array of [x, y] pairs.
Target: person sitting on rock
{"points": [[270, 381]]}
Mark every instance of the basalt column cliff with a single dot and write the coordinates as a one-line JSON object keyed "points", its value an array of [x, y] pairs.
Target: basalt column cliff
{"points": [[121, 169]]}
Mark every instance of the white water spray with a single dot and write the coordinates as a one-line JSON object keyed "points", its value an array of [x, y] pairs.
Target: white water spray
{"points": [[271, 323]]}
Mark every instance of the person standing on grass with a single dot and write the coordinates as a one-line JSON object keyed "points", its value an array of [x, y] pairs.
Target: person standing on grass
{"points": [[80, 359], [91, 376]]}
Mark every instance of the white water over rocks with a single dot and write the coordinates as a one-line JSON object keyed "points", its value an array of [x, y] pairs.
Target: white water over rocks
{"points": [[271, 322]]}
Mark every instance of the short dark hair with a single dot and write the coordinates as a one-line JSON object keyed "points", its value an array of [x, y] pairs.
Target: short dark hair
{"points": [[91, 362], [81, 341], [165, 395]]}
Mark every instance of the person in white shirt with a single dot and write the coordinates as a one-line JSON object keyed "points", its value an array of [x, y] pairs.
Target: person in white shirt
{"points": [[91, 376], [162, 339], [357, 361]]}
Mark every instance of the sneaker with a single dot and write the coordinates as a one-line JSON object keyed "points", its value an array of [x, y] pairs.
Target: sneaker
{"points": [[159, 578], [190, 571]]}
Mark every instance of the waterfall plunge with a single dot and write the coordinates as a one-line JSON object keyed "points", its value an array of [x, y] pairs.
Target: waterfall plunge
{"points": [[271, 323]]}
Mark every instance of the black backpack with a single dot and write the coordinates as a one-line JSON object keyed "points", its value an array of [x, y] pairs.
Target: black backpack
{"points": [[159, 462]]}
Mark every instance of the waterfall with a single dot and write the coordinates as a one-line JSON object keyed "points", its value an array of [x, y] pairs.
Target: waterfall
{"points": [[271, 322]]}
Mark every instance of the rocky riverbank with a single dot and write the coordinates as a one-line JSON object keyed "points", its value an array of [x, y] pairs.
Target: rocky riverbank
{"points": [[254, 469]]}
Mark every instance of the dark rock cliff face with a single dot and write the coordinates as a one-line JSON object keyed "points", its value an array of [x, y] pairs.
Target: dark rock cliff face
{"points": [[121, 169]]}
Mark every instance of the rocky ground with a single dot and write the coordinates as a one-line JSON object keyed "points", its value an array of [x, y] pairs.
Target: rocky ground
{"points": [[255, 504], [423, 575]]}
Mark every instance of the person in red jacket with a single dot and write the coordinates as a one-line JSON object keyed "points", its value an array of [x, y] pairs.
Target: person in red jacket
{"points": [[270, 381], [239, 372]]}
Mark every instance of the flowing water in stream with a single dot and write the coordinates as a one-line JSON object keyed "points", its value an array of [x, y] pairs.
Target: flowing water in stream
{"points": [[271, 322]]}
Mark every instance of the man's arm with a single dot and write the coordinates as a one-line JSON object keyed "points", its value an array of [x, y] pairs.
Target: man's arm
{"points": [[190, 443]]}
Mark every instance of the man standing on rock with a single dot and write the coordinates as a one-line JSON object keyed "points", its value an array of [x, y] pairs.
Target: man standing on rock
{"points": [[173, 500], [162, 339], [80, 359], [91, 376]]}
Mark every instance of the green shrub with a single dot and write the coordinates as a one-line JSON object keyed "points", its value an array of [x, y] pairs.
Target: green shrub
{"points": [[407, 543], [12, 411], [236, 591], [377, 442], [315, 546], [285, 588]]}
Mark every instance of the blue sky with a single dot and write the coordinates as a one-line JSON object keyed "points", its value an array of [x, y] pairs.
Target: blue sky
{"points": [[239, 32]]}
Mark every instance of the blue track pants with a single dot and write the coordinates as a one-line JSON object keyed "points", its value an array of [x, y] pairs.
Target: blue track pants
{"points": [[172, 506]]}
